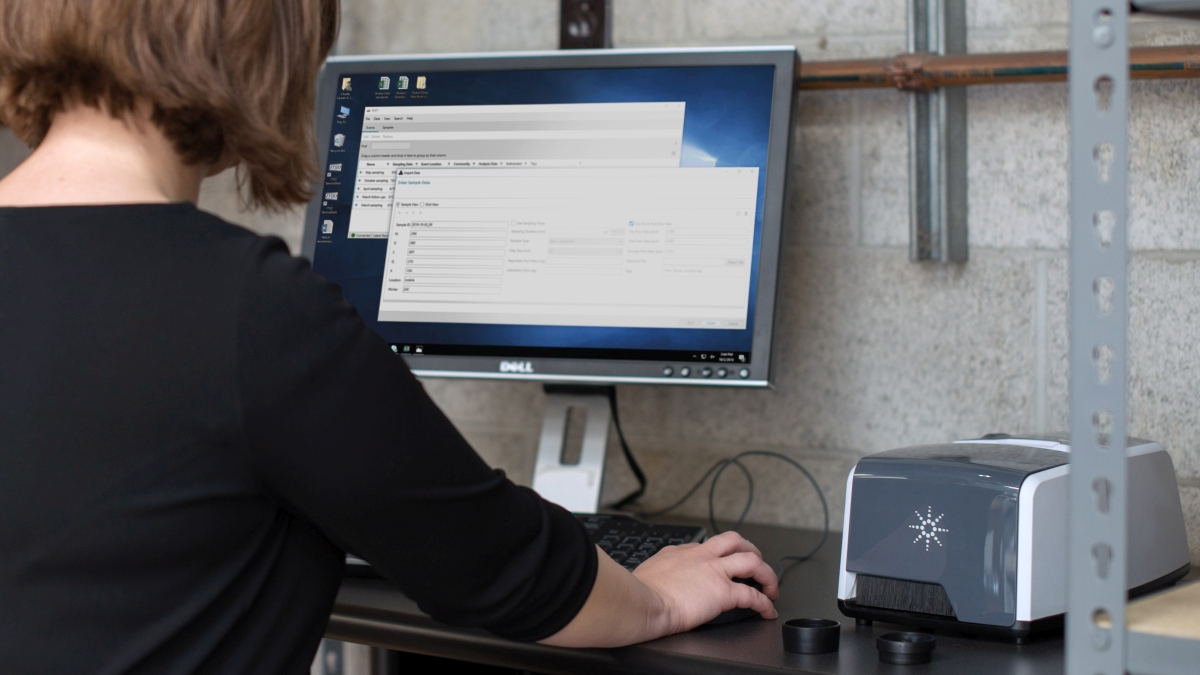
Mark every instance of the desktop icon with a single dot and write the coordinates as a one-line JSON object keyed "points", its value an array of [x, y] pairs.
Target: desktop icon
{"points": [[344, 112], [402, 82], [346, 84], [331, 196], [385, 83], [339, 140], [420, 82], [335, 167], [327, 227]]}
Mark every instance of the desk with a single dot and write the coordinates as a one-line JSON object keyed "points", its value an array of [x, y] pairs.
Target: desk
{"points": [[376, 613]]}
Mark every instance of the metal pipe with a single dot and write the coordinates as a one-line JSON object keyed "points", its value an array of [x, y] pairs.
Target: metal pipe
{"points": [[925, 72]]}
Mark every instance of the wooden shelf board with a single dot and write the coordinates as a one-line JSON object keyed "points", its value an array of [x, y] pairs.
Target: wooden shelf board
{"points": [[1172, 613]]}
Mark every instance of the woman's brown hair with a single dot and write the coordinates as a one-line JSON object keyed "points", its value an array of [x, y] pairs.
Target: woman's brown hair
{"points": [[229, 80]]}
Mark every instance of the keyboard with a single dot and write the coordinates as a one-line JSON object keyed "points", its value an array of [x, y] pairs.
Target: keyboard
{"points": [[630, 542], [625, 539]]}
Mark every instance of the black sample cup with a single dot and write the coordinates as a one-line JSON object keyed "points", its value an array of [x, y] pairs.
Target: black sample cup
{"points": [[811, 636], [905, 649]]}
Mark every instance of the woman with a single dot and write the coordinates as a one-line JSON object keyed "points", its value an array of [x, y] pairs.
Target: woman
{"points": [[195, 427]]}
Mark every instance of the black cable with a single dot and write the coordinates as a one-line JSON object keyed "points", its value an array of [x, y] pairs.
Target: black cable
{"points": [[629, 459], [712, 490], [825, 505], [697, 486], [719, 468]]}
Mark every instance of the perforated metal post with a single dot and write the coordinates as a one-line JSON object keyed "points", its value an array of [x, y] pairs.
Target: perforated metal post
{"points": [[1099, 93]]}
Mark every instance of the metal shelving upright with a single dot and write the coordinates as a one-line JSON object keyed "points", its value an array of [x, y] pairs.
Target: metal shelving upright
{"points": [[1098, 93], [1097, 640]]}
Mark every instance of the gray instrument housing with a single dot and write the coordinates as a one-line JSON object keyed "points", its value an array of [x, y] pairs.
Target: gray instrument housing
{"points": [[986, 521]]}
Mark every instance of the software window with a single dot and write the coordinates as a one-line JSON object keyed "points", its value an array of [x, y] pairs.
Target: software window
{"points": [[511, 136], [632, 247]]}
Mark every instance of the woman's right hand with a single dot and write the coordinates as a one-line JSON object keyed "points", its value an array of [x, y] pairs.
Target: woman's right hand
{"points": [[695, 581], [677, 589]]}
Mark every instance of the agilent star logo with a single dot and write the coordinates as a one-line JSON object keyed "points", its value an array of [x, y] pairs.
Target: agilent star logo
{"points": [[928, 529]]}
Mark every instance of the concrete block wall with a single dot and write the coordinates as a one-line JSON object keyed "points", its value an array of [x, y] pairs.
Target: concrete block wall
{"points": [[12, 151], [875, 352]]}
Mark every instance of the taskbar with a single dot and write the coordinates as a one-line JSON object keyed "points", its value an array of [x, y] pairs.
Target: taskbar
{"points": [[668, 355]]}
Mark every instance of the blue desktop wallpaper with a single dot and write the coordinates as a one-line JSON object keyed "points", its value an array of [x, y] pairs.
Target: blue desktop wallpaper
{"points": [[727, 121]]}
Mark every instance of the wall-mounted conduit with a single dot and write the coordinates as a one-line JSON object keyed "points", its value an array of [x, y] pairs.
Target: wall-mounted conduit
{"points": [[926, 72]]}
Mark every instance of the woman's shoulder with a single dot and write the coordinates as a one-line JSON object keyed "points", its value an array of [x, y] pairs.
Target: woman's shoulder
{"points": [[206, 238], [180, 225], [215, 228]]}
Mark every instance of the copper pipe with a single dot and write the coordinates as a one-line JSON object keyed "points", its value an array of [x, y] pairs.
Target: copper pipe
{"points": [[925, 72]]}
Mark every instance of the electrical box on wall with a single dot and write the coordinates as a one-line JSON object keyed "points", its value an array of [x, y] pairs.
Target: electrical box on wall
{"points": [[585, 24]]}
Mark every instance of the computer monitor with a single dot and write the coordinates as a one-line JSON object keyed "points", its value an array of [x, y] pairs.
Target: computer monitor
{"points": [[608, 216]]}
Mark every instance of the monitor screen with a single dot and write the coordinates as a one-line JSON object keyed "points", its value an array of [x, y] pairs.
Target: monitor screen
{"points": [[571, 217]]}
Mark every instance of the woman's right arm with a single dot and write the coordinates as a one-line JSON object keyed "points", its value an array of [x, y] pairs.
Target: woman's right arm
{"points": [[345, 436]]}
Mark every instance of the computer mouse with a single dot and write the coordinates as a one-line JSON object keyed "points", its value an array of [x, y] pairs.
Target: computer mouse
{"points": [[737, 613]]}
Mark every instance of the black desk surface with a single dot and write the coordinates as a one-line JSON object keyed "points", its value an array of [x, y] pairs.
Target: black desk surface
{"points": [[376, 613]]}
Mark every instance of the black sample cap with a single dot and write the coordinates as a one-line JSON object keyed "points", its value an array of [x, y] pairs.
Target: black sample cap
{"points": [[811, 636], [905, 649]]}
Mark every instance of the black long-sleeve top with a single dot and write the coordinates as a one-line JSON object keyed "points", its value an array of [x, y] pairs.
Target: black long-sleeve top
{"points": [[194, 427]]}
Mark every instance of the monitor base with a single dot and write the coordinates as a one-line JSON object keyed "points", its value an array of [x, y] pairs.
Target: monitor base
{"points": [[576, 421]]}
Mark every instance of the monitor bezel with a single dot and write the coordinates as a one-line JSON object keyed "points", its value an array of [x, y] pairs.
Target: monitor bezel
{"points": [[785, 59]]}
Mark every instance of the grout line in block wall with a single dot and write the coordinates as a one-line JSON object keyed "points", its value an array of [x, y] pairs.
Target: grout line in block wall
{"points": [[708, 451], [1043, 36], [681, 19], [1186, 255], [849, 37], [1041, 347], [877, 44]]}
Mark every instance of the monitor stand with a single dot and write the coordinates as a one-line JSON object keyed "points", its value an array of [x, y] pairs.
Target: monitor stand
{"points": [[577, 421]]}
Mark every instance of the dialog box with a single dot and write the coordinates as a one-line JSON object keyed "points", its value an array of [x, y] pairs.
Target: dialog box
{"points": [[629, 247]]}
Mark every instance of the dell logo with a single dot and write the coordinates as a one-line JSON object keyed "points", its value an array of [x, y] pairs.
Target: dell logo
{"points": [[516, 367]]}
